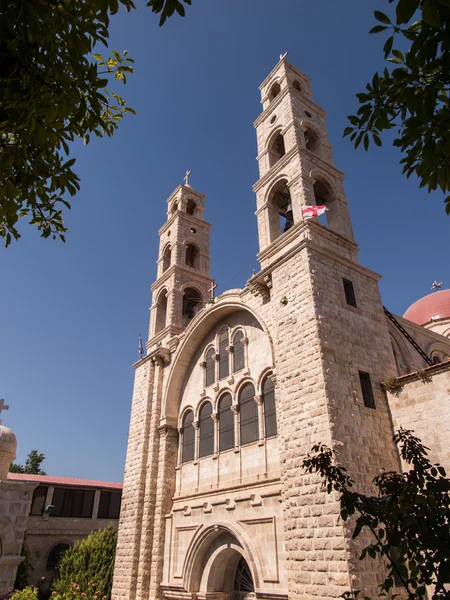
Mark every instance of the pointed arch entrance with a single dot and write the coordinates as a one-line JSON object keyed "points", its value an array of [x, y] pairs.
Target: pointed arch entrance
{"points": [[222, 566]]}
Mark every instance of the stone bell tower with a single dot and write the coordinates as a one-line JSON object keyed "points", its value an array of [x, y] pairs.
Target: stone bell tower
{"points": [[183, 285]]}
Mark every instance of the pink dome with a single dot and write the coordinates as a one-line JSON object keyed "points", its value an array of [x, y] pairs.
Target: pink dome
{"points": [[429, 308]]}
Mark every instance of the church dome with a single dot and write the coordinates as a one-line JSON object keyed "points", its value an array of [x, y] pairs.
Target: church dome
{"points": [[8, 441], [430, 308]]}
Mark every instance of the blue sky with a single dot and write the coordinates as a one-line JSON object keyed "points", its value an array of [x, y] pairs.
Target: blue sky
{"points": [[72, 313]]}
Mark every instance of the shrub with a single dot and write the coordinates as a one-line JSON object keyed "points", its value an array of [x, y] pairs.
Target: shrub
{"points": [[28, 593]]}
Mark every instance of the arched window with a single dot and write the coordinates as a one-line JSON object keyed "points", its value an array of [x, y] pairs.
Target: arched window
{"points": [[224, 357], [167, 257], [191, 305], [436, 359], [248, 410], [238, 352], [192, 256], [55, 556], [174, 208], [210, 366], [280, 210], [206, 446], [188, 449], [226, 423], [311, 141], [270, 413], [190, 207], [161, 312], [296, 85], [322, 197], [276, 149], [274, 91]]}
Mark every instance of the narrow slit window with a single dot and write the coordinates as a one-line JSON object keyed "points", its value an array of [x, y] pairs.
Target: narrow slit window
{"points": [[188, 449], [206, 446], [366, 388], [226, 424], [238, 352], [349, 290], [270, 414], [224, 357], [210, 367], [248, 410]]}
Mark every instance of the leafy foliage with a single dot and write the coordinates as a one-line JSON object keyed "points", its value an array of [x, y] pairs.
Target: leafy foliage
{"points": [[409, 519], [28, 593], [32, 464], [414, 96], [89, 561], [53, 91]]}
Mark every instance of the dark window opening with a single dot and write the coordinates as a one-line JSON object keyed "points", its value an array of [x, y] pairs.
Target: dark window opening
{"points": [[248, 410], [109, 506], [206, 446], [238, 352], [281, 217], [436, 359], [38, 502], [350, 297], [161, 312], [167, 258], [190, 207], [210, 367], [226, 424], [296, 85], [270, 413], [366, 387], [274, 91], [188, 448], [322, 197], [191, 305], [224, 357], [74, 503], [174, 208], [192, 256], [276, 149], [311, 141], [55, 556]]}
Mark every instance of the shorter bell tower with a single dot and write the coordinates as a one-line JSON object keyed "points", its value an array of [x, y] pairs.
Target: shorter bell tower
{"points": [[183, 285]]}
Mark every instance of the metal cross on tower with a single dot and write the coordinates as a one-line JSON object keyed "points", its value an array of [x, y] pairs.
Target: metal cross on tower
{"points": [[186, 177], [3, 406], [211, 290]]}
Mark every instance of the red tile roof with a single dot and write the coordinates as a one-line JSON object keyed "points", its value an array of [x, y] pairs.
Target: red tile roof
{"points": [[65, 481], [432, 307]]}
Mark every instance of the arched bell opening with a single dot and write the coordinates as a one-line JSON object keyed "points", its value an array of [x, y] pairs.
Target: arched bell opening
{"points": [[276, 148], [167, 258], [311, 140], [324, 197], [280, 213], [192, 256], [192, 302], [274, 91], [191, 207], [161, 312]]}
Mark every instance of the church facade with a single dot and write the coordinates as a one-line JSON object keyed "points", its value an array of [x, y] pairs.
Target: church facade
{"points": [[234, 391]]}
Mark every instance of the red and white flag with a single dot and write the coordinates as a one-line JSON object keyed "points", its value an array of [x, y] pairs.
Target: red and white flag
{"points": [[313, 211]]}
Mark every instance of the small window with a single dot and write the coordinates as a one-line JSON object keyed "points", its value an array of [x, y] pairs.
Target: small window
{"points": [[167, 259], [276, 149], [188, 449], [296, 85], [206, 446], [210, 367], [270, 414], [238, 352], [349, 292], [190, 207], [224, 357], [38, 502], [109, 506], [74, 503], [436, 359], [274, 91], [248, 410], [226, 424], [55, 556], [366, 387], [192, 256]]}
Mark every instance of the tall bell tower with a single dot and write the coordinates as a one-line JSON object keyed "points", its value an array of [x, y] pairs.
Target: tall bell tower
{"points": [[295, 162], [183, 285]]}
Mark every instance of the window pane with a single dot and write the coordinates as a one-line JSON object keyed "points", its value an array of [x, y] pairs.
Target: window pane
{"points": [[238, 352], [210, 367], [38, 502], [87, 503], [206, 431], [58, 502], [224, 357], [349, 293], [188, 438], [366, 387], [270, 415], [103, 507], [114, 505], [248, 410], [226, 424]]}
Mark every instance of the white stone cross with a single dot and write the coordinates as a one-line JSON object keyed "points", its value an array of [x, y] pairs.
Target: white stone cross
{"points": [[212, 288], [283, 55], [186, 177], [2, 407]]}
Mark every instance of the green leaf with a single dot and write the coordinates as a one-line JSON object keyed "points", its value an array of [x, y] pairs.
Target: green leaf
{"points": [[379, 16], [378, 29], [430, 13], [388, 46], [405, 10]]}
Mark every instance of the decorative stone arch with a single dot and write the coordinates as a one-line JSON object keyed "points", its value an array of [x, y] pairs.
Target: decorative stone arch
{"points": [[59, 544], [193, 254], [191, 206], [324, 192], [243, 381], [274, 89], [161, 309], [315, 140], [200, 405], [212, 554], [193, 301], [438, 349], [275, 146], [185, 410], [166, 257], [278, 204], [222, 391], [174, 207], [194, 336], [264, 373]]}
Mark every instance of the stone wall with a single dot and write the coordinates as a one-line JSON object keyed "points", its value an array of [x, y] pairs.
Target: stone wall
{"points": [[424, 407]]}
